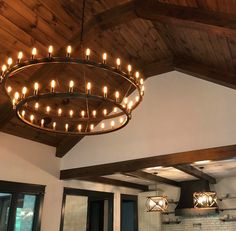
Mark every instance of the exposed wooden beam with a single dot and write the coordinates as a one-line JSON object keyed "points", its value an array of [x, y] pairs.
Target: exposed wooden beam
{"points": [[150, 177], [189, 169], [120, 183], [205, 72], [218, 153], [192, 17]]}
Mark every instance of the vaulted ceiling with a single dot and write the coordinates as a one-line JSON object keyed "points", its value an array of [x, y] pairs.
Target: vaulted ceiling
{"points": [[192, 36]]}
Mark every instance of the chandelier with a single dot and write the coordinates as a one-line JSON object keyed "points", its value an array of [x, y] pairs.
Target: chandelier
{"points": [[80, 105], [157, 204], [204, 199]]}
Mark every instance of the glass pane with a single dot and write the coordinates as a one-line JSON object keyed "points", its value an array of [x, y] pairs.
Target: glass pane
{"points": [[75, 218], [5, 202], [25, 212]]}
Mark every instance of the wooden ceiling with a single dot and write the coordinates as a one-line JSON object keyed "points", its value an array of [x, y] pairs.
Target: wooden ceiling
{"points": [[197, 37]]}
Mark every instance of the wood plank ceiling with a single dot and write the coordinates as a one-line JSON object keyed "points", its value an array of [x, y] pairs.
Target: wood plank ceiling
{"points": [[193, 36]]}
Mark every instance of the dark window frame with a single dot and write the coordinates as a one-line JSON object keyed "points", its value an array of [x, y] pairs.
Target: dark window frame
{"points": [[89, 193], [129, 197], [16, 189]]}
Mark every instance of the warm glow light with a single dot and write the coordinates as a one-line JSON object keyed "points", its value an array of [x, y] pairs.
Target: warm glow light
{"points": [[20, 56], [50, 50], [36, 86], [4, 68], [42, 122], [112, 123], [71, 113], [89, 87], [53, 84], [66, 127], [105, 91], [121, 120], [24, 91], [137, 74], [91, 127], [82, 114], [205, 199], [126, 100], [48, 109], [9, 61], [130, 105], [129, 67], [59, 111], [118, 62], [202, 162], [115, 109], [9, 89], [104, 57], [94, 113], [79, 127], [157, 204], [102, 125], [105, 112], [54, 125], [17, 96], [36, 106], [87, 53], [32, 118], [34, 52], [69, 49], [71, 86], [117, 94], [137, 98], [141, 81], [23, 113]]}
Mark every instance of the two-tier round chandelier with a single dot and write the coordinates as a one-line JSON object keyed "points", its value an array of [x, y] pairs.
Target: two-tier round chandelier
{"points": [[81, 104]]}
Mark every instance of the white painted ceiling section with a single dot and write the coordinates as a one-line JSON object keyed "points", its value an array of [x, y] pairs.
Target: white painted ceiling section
{"points": [[179, 113]]}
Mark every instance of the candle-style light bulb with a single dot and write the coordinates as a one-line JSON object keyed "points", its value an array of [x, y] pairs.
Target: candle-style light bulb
{"points": [[118, 62], [66, 127], [14, 103], [115, 109], [117, 95], [54, 125], [82, 114], [23, 113], [141, 81], [24, 91], [89, 86], [94, 113], [9, 61], [50, 50], [102, 125], [17, 96], [130, 105], [69, 50], [137, 74], [20, 56], [53, 85], [36, 88], [32, 118], [48, 109], [91, 127], [137, 98], [4, 68], [112, 123], [9, 89], [126, 100], [105, 91], [121, 120], [71, 113], [105, 112], [42, 122], [129, 68], [34, 52], [71, 86], [142, 89], [104, 58], [79, 127], [36, 106], [59, 112], [87, 53]]}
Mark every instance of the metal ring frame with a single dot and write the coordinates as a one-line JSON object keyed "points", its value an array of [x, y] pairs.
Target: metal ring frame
{"points": [[20, 66]]}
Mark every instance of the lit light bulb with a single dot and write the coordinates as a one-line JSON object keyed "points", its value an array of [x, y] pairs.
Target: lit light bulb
{"points": [[142, 89], [141, 81], [129, 67], [115, 109], [121, 120], [53, 84], [112, 123], [130, 105], [105, 112], [87, 53], [54, 125], [17, 96], [79, 127], [66, 127], [23, 113], [89, 88], [137, 98], [137, 74], [105, 91], [24, 91], [71, 113], [82, 114], [91, 127], [69, 49], [117, 95], [9, 89], [9, 61], [36, 88], [104, 58], [118, 62], [4, 68], [42, 122], [126, 100], [94, 113], [48, 109], [59, 112], [32, 118], [36, 106], [14, 103], [34, 52], [102, 125], [50, 50], [20, 56], [71, 86]]}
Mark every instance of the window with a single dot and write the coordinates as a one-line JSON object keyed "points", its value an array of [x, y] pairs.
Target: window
{"points": [[20, 206]]}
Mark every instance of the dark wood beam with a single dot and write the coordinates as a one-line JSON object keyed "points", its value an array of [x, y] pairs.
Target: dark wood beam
{"points": [[189, 169], [191, 17], [218, 153], [150, 177], [205, 72], [119, 183]]}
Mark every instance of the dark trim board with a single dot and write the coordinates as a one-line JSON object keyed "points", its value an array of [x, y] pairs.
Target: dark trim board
{"points": [[218, 153]]}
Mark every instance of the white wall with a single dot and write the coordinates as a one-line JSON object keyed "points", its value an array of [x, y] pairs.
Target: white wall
{"points": [[29, 162], [179, 113]]}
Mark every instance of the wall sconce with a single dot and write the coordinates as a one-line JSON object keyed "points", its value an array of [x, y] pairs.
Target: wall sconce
{"points": [[157, 204], [205, 200]]}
